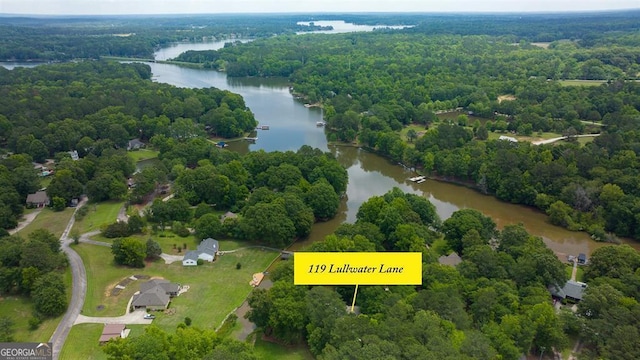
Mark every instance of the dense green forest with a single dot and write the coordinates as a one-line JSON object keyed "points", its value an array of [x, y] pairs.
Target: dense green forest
{"points": [[96, 107], [91, 37], [277, 195], [373, 84], [493, 305]]}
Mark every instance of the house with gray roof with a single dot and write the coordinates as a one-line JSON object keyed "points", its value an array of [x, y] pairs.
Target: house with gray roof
{"points": [[190, 258], [155, 295], [572, 291], [206, 250], [135, 144]]}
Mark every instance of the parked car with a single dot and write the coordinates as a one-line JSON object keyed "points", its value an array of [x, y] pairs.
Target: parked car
{"points": [[149, 316]]}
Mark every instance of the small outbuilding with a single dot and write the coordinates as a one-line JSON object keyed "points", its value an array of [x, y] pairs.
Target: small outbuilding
{"points": [[135, 144], [582, 259], [113, 331]]}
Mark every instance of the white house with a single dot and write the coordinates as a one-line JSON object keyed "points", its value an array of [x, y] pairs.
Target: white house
{"points": [[190, 258], [206, 251], [507, 138]]}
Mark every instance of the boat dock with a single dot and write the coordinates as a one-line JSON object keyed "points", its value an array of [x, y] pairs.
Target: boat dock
{"points": [[251, 139]]}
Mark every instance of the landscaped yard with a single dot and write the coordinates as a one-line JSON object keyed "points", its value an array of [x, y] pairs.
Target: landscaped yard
{"points": [[142, 154], [215, 290], [98, 214], [54, 221], [82, 343]]}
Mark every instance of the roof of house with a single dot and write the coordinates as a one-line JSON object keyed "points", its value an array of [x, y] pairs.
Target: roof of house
{"points": [[38, 197], [74, 155], [191, 255], [208, 246], [111, 331], [152, 297], [135, 142], [228, 215], [572, 289], [452, 259], [165, 285]]}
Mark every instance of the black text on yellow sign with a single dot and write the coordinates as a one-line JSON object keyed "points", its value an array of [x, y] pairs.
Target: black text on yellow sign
{"points": [[363, 268]]}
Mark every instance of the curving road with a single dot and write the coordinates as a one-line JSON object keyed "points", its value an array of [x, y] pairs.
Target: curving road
{"points": [[78, 288]]}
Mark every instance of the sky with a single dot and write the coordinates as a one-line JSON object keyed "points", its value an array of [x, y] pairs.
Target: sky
{"points": [[110, 7]]}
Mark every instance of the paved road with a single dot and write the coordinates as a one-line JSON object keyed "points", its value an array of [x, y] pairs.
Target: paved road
{"points": [[549, 141], [27, 220], [78, 288]]}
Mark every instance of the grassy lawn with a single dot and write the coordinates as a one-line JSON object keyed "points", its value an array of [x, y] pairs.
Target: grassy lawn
{"points": [[99, 214], [142, 154], [581, 82], [579, 272], [534, 137], [82, 343], [210, 298], [265, 350], [51, 220], [20, 310]]}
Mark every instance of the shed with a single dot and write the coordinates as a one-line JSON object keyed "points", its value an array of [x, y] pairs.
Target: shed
{"points": [[112, 331], [582, 259]]}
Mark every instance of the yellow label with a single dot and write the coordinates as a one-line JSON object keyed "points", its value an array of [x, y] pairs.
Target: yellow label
{"points": [[362, 268]]}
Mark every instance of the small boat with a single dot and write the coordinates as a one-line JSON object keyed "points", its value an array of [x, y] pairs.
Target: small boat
{"points": [[321, 124], [417, 178], [264, 127], [421, 181]]}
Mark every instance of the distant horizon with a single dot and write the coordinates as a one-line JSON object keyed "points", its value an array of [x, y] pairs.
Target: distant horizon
{"points": [[541, 12], [236, 7]]}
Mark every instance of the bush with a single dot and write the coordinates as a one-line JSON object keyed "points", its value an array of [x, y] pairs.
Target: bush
{"points": [[116, 230], [179, 229], [238, 266], [81, 212], [58, 203], [187, 321], [200, 262], [34, 322]]}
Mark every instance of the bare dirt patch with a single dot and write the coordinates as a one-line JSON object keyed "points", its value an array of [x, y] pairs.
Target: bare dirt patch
{"points": [[544, 45], [507, 97]]}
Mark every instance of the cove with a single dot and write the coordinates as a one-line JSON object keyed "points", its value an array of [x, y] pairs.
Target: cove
{"points": [[292, 125]]}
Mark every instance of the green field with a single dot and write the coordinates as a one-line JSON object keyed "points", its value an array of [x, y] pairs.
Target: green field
{"points": [[581, 82], [142, 154], [99, 214], [20, 309], [54, 221], [535, 136]]}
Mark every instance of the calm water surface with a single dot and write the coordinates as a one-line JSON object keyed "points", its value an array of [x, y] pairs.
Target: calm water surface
{"points": [[293, 125]]}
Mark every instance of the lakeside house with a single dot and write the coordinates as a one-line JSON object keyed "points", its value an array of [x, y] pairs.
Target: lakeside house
{"points": [[135, 144], [38, 199], [206, 251], [155, 294], [572, 291]]}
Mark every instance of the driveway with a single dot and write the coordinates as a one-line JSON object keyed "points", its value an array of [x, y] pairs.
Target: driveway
{"points": [[550, 141], [27, 220], [135, 317], [78, 288], [168, 259]]}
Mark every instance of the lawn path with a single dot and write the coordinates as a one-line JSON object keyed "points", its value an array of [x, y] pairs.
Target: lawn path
{"points": [[549, 141]]}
